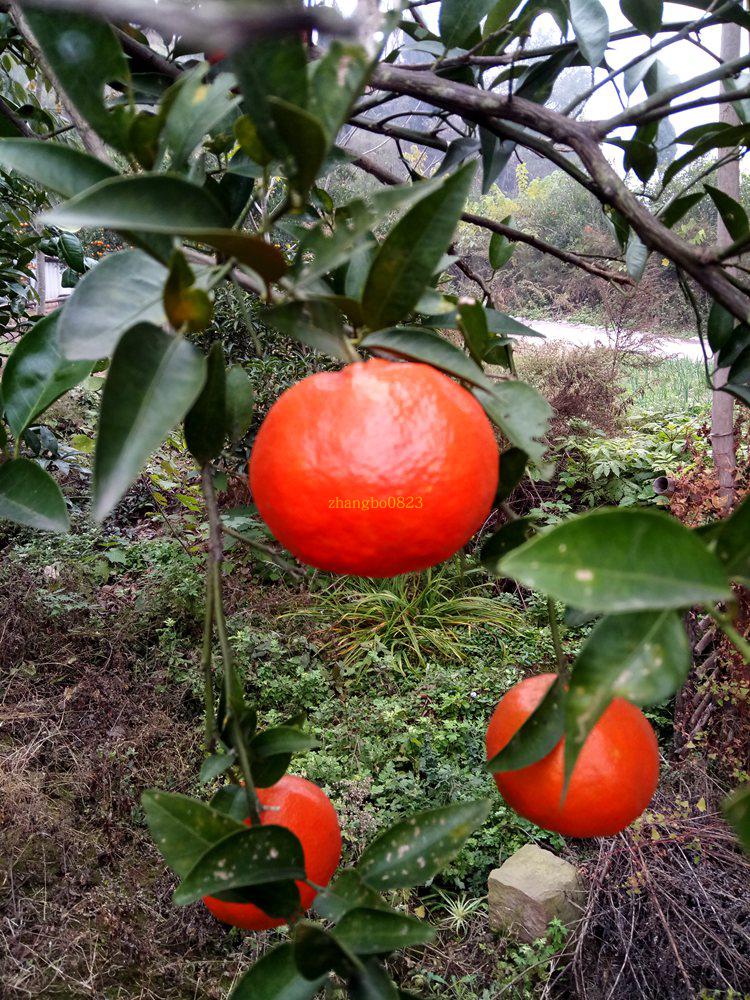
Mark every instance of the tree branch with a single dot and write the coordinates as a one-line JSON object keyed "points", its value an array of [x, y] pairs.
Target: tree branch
{"points": [[516, 235]]}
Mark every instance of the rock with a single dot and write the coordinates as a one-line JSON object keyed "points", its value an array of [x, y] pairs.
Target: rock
{"points": [[531, 888]]}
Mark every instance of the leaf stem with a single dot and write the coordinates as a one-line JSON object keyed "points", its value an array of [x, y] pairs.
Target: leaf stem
{"points": [[554, 627], [739, 642], [208, 680], [234, 703]]}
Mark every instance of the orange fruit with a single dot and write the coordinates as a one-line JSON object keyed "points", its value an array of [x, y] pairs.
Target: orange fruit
{"points": [[379, 469], [612, 783], [306, 810]]}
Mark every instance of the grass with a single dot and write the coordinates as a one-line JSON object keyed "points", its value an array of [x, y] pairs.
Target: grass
{"points": [[674, 383], [416, 617]]}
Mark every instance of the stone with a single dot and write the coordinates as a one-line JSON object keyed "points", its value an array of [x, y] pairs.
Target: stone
{"points": [[532, 888]]}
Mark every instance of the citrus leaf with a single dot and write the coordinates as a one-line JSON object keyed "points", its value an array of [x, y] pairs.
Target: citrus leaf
{"points": [[501, 250], [620, 559], [30, 496], [521, 413], [732, 213], [372, 983], [376, 931], [275, 977], [414, 850], [317, 324], [194, 108], [152, 382], [124, 289], [36, 374], [183, 828], [538, 735], [645, 15], [62, 169], [206, 421], [512, 467], [459, 20], [591, 28], [151, 202], [304, 138], [188, 307], [317, 952], [505, 539], [239, 402], [418, 344], [85, 58], [246, 857], [410, 254], [347, 893], [733, 543], [643, 657]]}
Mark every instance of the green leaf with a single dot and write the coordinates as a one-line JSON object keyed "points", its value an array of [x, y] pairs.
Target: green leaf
{"points": [[512, 467], [272, 67], [720, 326], [733, 543], [737, 811], [194, 108], [347, 893], [418, 344], [281, 739], [410, 254], [152, 382], [414, 850], [206, 421], [732, 213], [521, 413], [472, 322], [247, 857], [36, 374], [216, 764], [376, 931], [643, 657], [372, 983], [85, 57], [676, 209], [620, 559], [538, 735], [123, 289], [275, 977], [305, 140], [188, 307], [164, 203], [495, 156], [336, 81], [30, 496], [183, 828], [499, 322], [239, 402], [591, 27], [317, 952], [62, 169], [459, 20], [317, 324], [71, 249], [501, 250], [636, 257], [645, 15], [230, 800], [505, 539]]}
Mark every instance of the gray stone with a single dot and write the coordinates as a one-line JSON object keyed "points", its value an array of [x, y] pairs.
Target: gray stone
{"points": [[531, 888]]}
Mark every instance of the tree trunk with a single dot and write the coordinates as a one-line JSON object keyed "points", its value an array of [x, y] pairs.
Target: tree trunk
{"points": [[722, 404], [41, 282]]}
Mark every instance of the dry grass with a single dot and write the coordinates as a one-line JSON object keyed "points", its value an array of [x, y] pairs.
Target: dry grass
{"points": [[85, 907]]}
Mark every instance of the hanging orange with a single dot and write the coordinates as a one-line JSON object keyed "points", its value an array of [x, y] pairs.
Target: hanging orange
{"points": [[379, 469], [306, 810], [614, 778]]}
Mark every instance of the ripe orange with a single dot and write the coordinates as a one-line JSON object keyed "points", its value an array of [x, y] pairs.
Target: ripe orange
{"points": [[379, 469], [613, 780], [301, 807]]}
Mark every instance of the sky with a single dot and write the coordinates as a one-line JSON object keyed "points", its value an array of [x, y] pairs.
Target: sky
{"points": [[683, 58]]}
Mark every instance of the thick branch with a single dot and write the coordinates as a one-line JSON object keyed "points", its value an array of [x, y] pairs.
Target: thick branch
{"points": [[476, 105]]}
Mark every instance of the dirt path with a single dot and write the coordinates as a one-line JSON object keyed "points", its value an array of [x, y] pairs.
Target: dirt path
{"points": [[585, 336]]}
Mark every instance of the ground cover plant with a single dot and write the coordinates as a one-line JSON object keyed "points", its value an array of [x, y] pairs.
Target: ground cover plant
{"points": [[207, 160]]}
